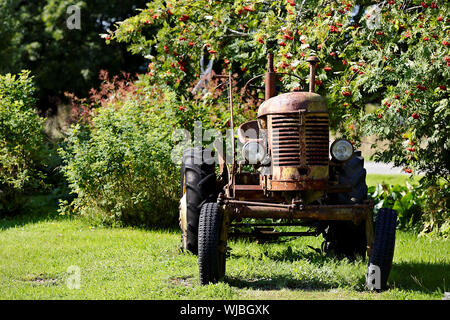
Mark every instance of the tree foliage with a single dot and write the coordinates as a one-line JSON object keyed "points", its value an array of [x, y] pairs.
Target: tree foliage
{"points": [[390, 53], [34, 36]]}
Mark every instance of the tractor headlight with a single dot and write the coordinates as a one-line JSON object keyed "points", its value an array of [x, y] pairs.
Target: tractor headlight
{"points": [[253, 152], [341, 150]]}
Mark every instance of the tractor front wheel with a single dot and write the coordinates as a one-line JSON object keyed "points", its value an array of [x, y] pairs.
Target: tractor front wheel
{"points": [[211, 252], [380, 262]]}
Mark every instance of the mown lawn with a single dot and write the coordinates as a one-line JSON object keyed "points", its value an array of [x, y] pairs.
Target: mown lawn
{"points": [[374, 179], [123, 263]]}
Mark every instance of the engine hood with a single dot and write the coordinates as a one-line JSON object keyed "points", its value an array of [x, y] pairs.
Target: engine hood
{"points": [[292, 102]]}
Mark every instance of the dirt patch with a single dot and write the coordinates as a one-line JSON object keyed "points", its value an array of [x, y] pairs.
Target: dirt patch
{"points": [[42, 279], [181, 281]]}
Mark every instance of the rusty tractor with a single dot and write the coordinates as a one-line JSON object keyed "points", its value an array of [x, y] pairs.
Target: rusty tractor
{"points": [[289, 176]]}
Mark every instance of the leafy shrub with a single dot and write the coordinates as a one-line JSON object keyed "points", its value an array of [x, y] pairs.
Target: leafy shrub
{"points": [[22, 150], [119, 166], [422, 208], [436, 208], [404, 199]]}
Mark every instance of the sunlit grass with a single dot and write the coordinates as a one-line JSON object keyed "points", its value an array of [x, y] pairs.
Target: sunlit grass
{"points": [[374, 179], [140, 264]]}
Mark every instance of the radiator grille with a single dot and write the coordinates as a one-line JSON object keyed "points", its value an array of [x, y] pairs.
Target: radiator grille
{"points": [[286, 140], [317, 139]]}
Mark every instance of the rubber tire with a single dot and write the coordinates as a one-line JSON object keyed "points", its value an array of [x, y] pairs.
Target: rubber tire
{"points": [[354, 174], [343, 238], [211, 262], [383, 247], [200, 181]]}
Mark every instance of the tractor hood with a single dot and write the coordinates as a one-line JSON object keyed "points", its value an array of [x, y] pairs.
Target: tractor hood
{"points": [[293, 102]]}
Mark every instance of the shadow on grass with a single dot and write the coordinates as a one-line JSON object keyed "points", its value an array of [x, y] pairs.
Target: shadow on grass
{"points": [[420, 277], [289, 254], [279, 282], [425, 278], [45, 208], [417, 277], [312, 282], [39, 208]]}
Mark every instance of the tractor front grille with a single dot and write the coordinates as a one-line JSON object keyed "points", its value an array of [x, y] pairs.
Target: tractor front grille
{"points": [[317, 139], [286, 140]]}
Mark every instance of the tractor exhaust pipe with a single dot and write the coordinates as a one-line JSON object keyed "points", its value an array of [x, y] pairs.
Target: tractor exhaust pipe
{"points": [[270, 79], [270, 76], [313, 61]]}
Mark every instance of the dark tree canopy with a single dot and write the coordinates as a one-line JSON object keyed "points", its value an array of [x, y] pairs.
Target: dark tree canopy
{"points": [[34, 35]]}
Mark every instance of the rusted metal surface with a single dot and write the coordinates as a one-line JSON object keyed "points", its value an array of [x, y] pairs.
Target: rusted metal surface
{"points": [[233, 163], [260, 204], [297, 185], [298, 144], [293, 102], [249, 192], [287, 145], [284, 139], [313, 61], [270, 78], [255, 192], [218, 146], [317, 139], [369, 232], [247, 209], [248, 187], [298, 137]]}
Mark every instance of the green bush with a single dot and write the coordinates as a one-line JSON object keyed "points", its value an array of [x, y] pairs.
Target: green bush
{"points": [[422, 208], [118, 164], [22, 150]]}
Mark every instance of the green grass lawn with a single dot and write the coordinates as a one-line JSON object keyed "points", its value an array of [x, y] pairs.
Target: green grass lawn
{"points": [[374, 179], [124, 263]]}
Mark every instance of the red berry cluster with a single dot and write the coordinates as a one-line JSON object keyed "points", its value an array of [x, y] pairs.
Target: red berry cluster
{"points": [[291, 2], [184, 18], [346, 93], [334, 29]]}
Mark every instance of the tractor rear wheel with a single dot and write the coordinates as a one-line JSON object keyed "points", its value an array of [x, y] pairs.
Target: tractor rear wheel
{"points": [[198, 186], [211, 258], [380, 262], [344, 238]]}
